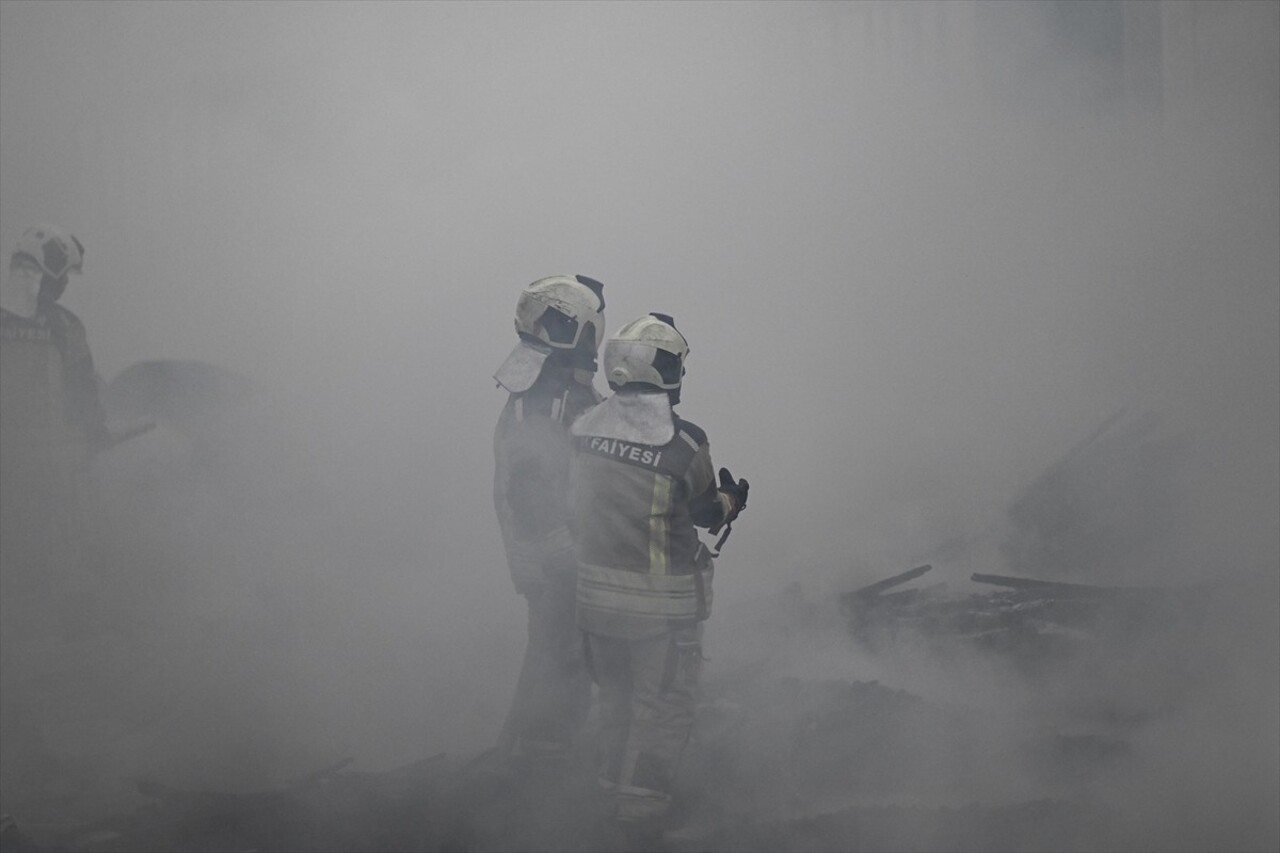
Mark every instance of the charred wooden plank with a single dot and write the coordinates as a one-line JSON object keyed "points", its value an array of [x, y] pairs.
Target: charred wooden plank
{"points": [[1059, 589], [872, 590]]}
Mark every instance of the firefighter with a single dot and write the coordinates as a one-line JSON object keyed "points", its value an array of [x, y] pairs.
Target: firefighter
{"points": [[641, 481], [51, 417], [548, 377], [51, 421]]}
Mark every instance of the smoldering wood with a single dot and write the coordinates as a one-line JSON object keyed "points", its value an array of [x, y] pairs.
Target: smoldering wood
{"points": [[1034, 623], [888, 583], [1061, 589]]}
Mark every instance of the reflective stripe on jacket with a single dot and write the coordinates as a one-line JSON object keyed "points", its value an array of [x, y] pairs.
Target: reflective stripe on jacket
{"points": [[607, 597]]}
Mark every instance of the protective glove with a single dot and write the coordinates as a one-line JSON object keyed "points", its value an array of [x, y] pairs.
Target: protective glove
{"points": [[737, 492]]}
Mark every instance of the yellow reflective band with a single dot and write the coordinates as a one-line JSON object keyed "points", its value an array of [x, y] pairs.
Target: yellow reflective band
{"points": [[636, 594], [659, 560]]}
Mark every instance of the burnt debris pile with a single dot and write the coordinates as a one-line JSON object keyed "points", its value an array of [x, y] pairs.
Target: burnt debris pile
{"points": [[1109, 511], [1033, 623]]}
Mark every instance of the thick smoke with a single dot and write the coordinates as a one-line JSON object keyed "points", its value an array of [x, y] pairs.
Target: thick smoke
{"points": [[920, 251]]}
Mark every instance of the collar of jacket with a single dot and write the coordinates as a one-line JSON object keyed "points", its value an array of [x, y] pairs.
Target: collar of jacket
{"points": [[644, 417]]}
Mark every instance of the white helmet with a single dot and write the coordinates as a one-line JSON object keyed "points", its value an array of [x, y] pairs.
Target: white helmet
{"points": [[649, 351], [56, 252], [562, 311]]}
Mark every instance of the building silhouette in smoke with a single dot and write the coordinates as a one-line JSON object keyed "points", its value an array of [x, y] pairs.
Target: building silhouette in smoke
{"points": [[1164, 57]]}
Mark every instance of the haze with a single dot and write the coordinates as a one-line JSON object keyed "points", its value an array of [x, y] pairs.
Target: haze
{"points": [[919, 250]]}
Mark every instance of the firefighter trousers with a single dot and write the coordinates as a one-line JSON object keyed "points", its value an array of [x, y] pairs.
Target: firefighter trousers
{"points": [[647, 693], [553, 694]]}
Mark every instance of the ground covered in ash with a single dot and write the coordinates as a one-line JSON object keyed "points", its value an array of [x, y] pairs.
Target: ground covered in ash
{"points": [[774, 764], [981, 751]]}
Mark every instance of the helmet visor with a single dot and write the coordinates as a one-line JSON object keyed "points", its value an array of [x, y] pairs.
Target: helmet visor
{"points": [[562, 329], [55, 257], [669, 366]]}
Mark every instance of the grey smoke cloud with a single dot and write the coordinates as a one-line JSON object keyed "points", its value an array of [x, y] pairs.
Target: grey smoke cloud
{"points": [[918, 249]]}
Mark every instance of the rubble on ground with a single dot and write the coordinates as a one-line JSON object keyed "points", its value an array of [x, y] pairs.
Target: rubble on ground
{"points": [[774, 763], [1034, 623]]}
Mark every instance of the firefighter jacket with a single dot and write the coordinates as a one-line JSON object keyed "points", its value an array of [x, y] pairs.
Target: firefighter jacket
{"points": [[531, 449], [50, 422], [51, 417], [642, 569]]}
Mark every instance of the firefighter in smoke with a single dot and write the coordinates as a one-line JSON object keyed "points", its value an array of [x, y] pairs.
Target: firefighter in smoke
{"points": [[641, 481], [51, 421], [560, 322]]}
